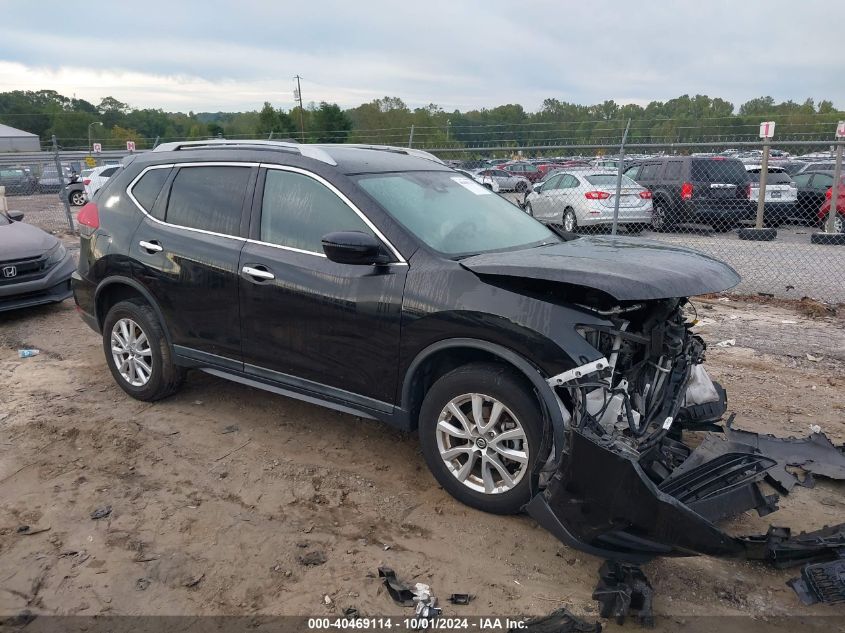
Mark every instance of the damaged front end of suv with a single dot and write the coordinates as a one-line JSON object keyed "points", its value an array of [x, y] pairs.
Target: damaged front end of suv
{"points": [[628, 487]]}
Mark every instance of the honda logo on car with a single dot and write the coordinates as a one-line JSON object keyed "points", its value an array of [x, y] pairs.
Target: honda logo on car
{"points": [[10, 271]]}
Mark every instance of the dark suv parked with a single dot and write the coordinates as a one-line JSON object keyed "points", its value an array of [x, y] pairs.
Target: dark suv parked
{"points": [[17, 180], [378, 281], [710, 190]]}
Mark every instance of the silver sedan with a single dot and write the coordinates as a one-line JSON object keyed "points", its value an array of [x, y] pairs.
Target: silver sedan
{"points": [[503, 180], [586, 198]]}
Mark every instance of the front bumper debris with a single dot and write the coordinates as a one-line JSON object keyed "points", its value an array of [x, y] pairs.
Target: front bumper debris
{"points": [[602, 501]]}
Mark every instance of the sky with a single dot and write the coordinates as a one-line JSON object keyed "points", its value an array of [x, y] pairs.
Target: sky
{"points": [[459, 54]]}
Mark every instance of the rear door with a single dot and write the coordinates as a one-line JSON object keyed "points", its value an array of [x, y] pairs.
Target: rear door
{"points": [[188, 247]]}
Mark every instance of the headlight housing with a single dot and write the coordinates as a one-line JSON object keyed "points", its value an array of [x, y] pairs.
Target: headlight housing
{"points": [[55, 255]]}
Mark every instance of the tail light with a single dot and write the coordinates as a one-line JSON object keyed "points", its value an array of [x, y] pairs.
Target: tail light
{"points": [[748, 190], [86, 181], [829, 193], [89, 217], [645, 195], [686, 191], [597, 195]]}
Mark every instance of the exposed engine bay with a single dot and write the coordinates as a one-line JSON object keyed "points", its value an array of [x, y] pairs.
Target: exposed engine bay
{"points": [[630, 485]]}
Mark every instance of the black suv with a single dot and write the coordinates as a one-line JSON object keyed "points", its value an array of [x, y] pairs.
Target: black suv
{"points": [[377, 281], [710, 190]]}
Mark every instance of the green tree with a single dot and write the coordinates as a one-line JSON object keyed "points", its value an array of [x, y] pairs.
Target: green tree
{"points": [[330, 124]]}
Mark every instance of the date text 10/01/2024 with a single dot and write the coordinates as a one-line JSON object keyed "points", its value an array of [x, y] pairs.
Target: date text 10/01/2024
{"points": [[415, 624]]}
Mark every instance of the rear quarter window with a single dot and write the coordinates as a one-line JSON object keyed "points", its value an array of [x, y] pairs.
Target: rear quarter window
{"points": [[147, 189]]}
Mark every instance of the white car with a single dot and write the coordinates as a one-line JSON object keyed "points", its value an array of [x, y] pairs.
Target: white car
{"points": [[94, 179], [781, 193], [491, 184], [586, 198], [502, 180]]}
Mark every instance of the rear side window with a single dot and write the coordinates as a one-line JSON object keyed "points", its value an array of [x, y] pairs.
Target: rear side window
{"points": [[713, 170], [673, 170], [297, 211], [649, 172], [147, 189], [108, 173], [208, 198]]}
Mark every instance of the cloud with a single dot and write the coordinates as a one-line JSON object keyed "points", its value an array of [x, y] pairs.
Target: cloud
{"points": [[221, 55]]}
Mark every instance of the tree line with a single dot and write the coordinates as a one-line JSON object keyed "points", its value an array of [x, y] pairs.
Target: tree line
{"points": [[390, 120]]}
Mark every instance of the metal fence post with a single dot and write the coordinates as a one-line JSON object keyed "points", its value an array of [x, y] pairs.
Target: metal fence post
{"points": [[63, 189], [619, 179], [834, 191], [761, 196], [411, 137]]}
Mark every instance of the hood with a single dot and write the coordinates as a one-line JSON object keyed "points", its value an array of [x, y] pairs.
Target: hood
{"points": [[19, 240], [628, 269]]}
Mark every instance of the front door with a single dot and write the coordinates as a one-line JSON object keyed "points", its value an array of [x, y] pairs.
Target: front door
{"points": [[323, 326]]}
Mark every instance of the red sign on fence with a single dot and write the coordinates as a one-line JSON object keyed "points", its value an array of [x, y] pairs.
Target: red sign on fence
{"points": [[130, 146]]}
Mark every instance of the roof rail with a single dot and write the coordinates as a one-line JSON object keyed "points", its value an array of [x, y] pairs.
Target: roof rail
{"points": [[308, 151], [391, 148]]}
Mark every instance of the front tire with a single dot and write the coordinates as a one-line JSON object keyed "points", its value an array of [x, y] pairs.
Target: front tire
{"points": [[521, 187], [481, 434], [838, 223], [137, 352]]}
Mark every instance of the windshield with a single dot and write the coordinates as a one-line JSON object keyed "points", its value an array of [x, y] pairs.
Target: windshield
{"points": [[603, 180], [453, 214]]}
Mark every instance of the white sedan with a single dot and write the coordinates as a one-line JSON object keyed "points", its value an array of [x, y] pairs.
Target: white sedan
{"points": [[501, 180], [95, 178], [586, 198]]}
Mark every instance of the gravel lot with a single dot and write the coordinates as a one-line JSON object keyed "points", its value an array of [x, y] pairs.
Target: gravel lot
{"points": [[221, 494]]}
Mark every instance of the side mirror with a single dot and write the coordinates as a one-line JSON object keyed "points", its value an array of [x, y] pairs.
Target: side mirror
{"points": [[537, 186], [15, 216], [353, 247]]}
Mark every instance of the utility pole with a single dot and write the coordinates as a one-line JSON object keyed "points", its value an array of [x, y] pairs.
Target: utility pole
{"points": [[298, 96]]}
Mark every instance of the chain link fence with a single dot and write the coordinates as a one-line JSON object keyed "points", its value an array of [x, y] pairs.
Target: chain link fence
{"points": [[772, 222], [773, 225]]}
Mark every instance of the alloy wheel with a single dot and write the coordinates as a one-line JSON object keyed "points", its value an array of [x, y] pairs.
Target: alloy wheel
{"points": [[131, 352], [482, 443], [77, 198], [657, 217], [569, 221]]}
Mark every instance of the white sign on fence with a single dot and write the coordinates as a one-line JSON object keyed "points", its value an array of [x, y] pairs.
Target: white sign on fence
{"points": [[98, 147], [840, 129], [130, 146], [767, 129]]}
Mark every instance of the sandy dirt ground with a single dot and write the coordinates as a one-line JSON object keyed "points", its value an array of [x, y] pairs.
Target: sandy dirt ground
{"points": [[229, 500]]}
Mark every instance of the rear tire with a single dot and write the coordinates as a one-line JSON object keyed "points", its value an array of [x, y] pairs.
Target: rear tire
{"points": [[569, 221], [660, 217], [77, 198], [483, 388], [521, 187], [133, 327]]}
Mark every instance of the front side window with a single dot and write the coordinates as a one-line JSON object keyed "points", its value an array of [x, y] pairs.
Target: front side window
{"points": [[822, 180], [454, 215], [208, 198], [297, 211]]}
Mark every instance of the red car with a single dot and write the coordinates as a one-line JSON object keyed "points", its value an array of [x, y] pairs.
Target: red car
{"points": [[526, 170], [545, 168], [824, 211]]}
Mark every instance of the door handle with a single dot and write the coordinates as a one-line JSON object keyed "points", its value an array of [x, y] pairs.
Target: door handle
{"points": [[151, 247], [257, 272]]}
